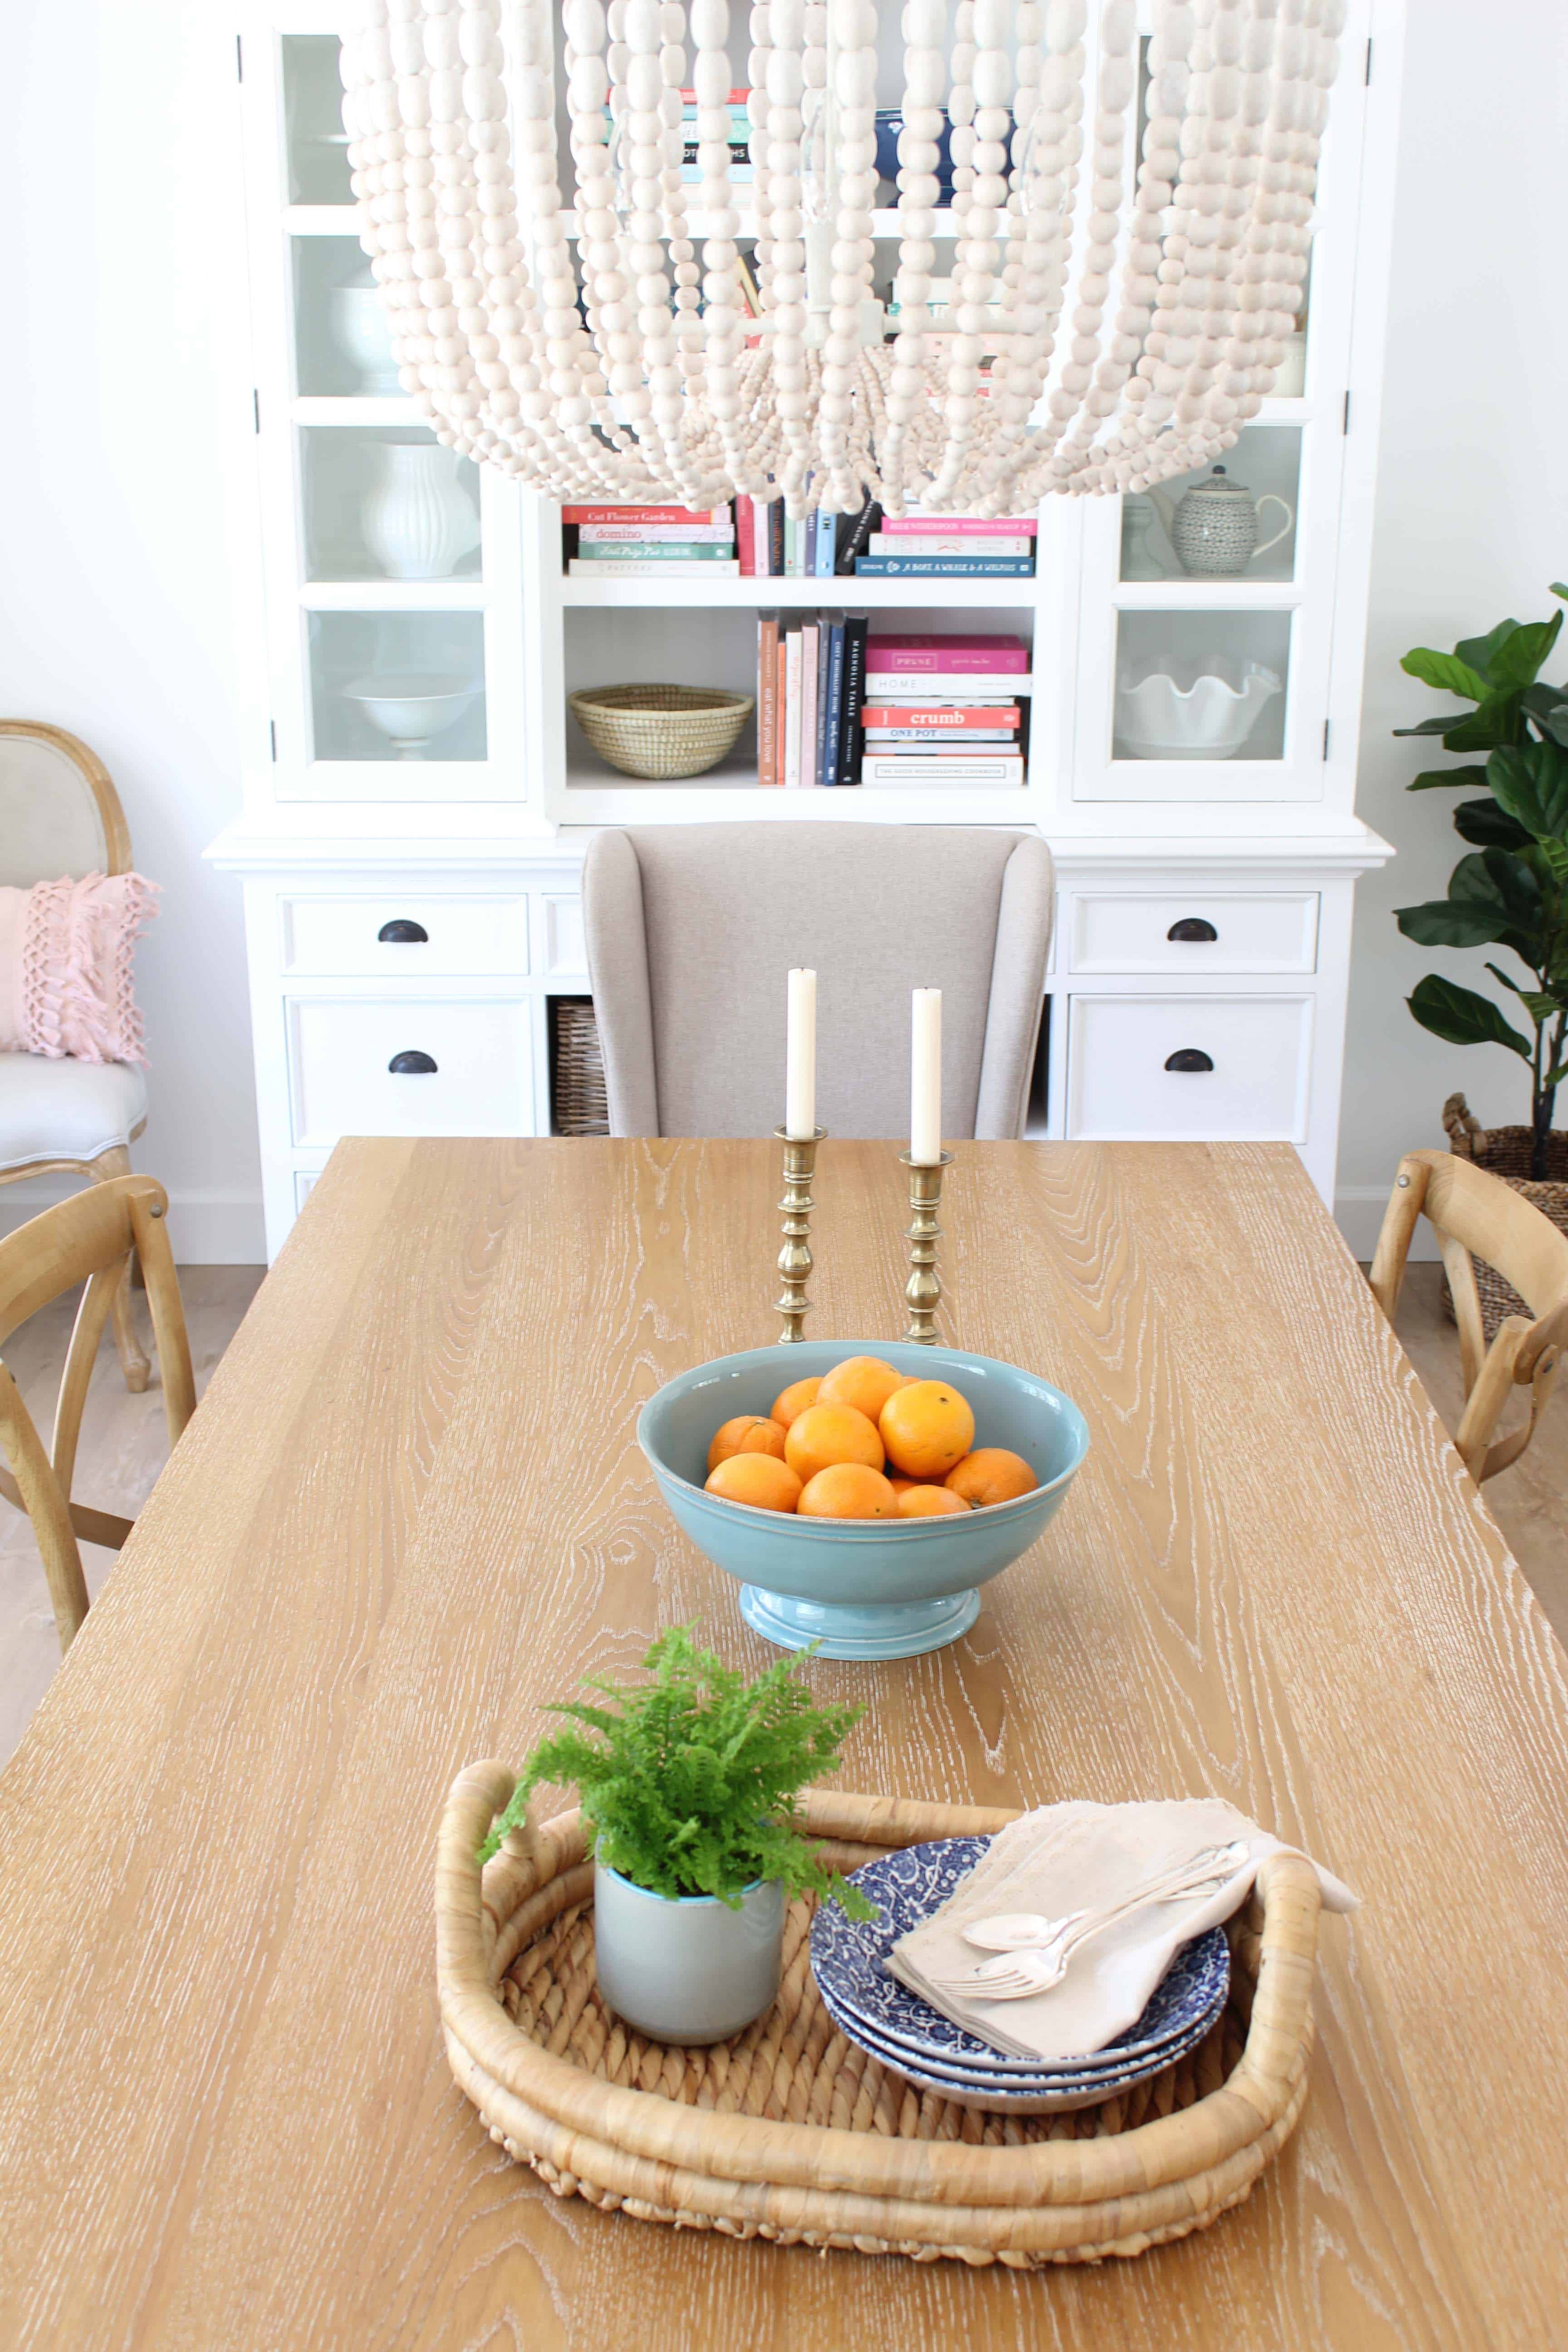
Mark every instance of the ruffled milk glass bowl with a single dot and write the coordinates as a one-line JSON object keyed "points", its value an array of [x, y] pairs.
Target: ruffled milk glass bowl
{"points": [[1198, 714], [860, 1588]]}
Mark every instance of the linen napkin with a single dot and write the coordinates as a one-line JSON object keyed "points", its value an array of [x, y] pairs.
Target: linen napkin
{"points": [[1063, 1858]]}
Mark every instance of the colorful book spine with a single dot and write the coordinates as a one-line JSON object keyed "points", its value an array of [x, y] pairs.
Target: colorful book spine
{"points": [[851, 742], [889, 739], [819, 727], [617, 566], [887, 543], [891, 770], [654, 550], [577, 516], [936, 688], [912, 650], [824, 544], [776, 538], [943, 567], [810, 651], [854, 537], [746, 537], [833, 724], [657, 534], [962, 526], [794, 657], [942, 719], [767, 698]]}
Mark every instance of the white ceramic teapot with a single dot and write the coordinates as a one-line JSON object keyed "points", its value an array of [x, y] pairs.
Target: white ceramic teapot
{"points": [[1214, 528]]}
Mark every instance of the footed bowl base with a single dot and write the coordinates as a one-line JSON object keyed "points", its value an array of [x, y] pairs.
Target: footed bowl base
{"points": [[846, 1629]]}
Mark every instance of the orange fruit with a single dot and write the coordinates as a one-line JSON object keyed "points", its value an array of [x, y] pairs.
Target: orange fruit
{"points": [[929, 1503], [793, 1399], [898, 1483], [927, 1428], [847, 1490], [747, 1433], [825, 1435], [759, 1479], [864, 1382], [991, 1475]]}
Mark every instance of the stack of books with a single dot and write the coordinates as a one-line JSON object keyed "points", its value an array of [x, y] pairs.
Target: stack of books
{"points": [[943, 710], [742, 173], [951, 546], [615, 543], [810, 682]]}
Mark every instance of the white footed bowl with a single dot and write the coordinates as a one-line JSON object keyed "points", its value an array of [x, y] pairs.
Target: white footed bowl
{"points": [[409, 707], [1207, 719]]}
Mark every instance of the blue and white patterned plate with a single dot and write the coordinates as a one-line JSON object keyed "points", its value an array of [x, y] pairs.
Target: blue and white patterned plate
{"points": [[907, 1886], [1016, 2093]]}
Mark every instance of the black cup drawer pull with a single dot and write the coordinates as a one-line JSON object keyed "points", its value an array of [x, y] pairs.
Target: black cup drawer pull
{"points": [[1193, 929], [402, 933], [1191, 1057], [413, 1064]]}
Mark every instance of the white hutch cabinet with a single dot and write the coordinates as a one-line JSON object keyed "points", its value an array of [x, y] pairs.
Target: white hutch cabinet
{"points": [[410, 866]]}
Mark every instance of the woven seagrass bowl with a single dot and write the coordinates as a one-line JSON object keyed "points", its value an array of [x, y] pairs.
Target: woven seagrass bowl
{"points": [[792, 2133], [661, 733]]}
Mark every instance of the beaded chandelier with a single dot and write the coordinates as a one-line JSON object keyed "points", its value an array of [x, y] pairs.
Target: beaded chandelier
{"points": [[1129, 253]]}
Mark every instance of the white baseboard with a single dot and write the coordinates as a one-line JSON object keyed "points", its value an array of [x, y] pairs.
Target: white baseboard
{"points": [[205, 1228], [1358, 1212]]}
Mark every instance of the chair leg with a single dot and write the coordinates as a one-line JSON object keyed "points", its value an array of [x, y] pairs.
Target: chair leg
{"points": [[133, 1360]]}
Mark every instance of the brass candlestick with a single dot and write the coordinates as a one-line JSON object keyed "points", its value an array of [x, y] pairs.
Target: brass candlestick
{"points": [[794, 1258], [922, 1290]]}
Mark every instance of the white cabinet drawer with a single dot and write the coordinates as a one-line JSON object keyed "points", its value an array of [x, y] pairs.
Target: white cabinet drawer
{"points": [[1197, 931], [406, 935], [565, 949], [1135, 1068], [479, 1081]]}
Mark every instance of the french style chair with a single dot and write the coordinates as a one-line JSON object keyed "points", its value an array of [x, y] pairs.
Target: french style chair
{"points": [[87, 1238], [692, 929], [1475, 1214], [60, 813]]}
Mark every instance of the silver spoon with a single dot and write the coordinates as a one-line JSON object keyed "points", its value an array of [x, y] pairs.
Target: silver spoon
{"points": [[1023, 1931]]}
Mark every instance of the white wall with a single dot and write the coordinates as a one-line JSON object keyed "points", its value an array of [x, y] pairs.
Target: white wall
{"points": [[116, 164], [1472, 522], [116, 179]]}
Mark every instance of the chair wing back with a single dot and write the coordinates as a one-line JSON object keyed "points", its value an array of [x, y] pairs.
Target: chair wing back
{"points": [[1493, 1222], [60, 812], [692, 929]]}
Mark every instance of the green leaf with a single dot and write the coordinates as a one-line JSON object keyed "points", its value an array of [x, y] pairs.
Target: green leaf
{"points": [[1554, 1077], [1506, 875], [1498, 720], [1559, 589], [1547, 706], [1452, 923], [1447, 672], [1429, 727], [1478, 652], [1529, 780], [1516, 660], [1461, 1017], [1489, 827], [1470, 779], [1540, 1005]]}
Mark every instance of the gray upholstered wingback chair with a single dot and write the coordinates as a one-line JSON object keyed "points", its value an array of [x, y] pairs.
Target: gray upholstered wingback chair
{"points": [[60, 813], [691, 931]]}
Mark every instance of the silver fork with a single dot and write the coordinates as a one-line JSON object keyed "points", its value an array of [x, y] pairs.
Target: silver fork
{"points": [[1021, 1931], [1019, 1975]]}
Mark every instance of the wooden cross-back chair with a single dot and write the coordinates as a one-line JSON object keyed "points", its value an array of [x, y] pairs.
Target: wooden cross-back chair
{"points": [[89, 1238], [1475, 1214]]}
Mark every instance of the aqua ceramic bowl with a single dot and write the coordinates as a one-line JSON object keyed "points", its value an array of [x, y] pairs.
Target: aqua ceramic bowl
{"points": [[860, 1588]]}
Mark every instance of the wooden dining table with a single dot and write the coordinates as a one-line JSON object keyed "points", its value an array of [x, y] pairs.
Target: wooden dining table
{"points": [[411, 1511]]}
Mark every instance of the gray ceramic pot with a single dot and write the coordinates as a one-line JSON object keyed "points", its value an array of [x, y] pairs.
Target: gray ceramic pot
{"points": [[687, 1971]]}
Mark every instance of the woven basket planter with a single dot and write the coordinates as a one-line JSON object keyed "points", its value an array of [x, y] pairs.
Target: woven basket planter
{"points": [[661, 733], [578, 1102], [1505, 1151], [789, 2132]]}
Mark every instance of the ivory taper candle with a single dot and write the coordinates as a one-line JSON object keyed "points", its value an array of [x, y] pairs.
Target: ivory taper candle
{"points": [[925, 1079], [800, 1057]]}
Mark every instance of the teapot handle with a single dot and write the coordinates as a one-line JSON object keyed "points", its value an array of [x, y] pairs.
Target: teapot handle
{"points": [[1269, 499]]}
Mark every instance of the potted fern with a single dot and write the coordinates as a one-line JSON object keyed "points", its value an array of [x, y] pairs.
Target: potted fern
{"points": [[1511, 890], [688, 1785]]}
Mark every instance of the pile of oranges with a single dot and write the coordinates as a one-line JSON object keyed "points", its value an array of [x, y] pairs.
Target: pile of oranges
{"points": [[864, 1441]]}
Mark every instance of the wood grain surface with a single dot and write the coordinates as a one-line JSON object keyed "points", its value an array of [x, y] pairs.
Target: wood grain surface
{"points": [[411, 1510]]}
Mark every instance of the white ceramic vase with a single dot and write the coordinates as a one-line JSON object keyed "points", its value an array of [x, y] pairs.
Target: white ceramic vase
{"points": [[418, 518], [359, 329], [690, 1970]]}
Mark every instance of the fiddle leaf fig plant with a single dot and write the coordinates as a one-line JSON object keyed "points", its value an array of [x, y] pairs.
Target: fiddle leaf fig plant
{"points": [[1511, 891], [688, 1782]]}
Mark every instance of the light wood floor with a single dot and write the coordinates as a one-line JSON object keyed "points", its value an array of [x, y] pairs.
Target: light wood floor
{"points": [[123, 1448]]}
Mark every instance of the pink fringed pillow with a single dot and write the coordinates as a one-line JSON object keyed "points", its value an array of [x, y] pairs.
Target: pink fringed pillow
{"points": [[67, 950]]}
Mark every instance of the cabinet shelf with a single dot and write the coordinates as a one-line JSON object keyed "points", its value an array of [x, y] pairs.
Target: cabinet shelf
{"points": [[393, 595], [871, 595]]}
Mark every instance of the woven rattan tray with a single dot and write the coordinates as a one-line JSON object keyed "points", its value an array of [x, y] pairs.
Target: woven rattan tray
{"points": [[789, 2132]]}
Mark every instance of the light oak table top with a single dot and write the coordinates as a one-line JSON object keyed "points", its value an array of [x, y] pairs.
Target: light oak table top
{"points": [[411, 1510]]}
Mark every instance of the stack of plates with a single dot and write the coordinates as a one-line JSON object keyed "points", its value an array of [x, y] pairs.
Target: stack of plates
{"points": [[893, 2025]]}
